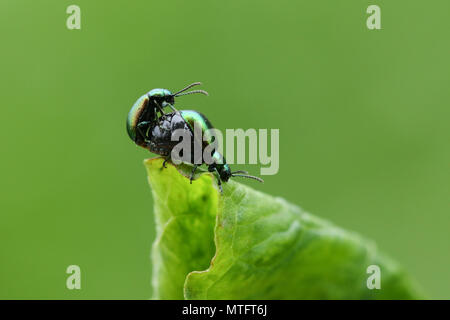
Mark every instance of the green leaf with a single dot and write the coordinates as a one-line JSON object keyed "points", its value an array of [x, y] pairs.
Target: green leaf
{"points": [[245, 244]]}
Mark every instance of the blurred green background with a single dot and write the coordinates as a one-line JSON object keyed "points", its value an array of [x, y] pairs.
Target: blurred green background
{"points": [[363, 118]]}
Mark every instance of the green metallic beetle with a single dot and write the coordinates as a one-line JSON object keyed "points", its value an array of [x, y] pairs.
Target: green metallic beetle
{"points": [[157, 133], [143, 114]]}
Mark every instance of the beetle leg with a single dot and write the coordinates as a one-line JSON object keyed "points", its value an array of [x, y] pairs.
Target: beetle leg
{"points": [[172, 107], [165, 161], [213, 169], [140, 127], [192, 173], [160, 109], [219, 181]]}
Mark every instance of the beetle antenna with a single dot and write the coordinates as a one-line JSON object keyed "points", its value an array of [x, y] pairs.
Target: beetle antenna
{"points": [[188, 87], [237, 174], [191, 92], [240, 171]]}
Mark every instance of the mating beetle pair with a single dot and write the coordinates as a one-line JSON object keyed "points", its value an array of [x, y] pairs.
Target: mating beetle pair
{"points": [[154, 132]]}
